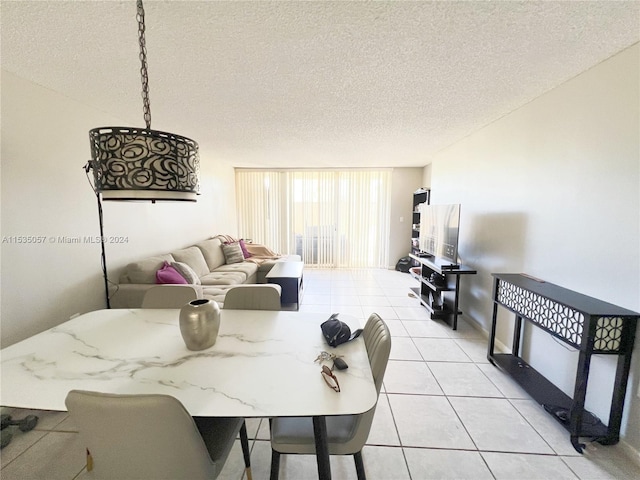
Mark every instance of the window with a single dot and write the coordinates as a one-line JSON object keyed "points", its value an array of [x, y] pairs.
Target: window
{"points": [[332, 218]]}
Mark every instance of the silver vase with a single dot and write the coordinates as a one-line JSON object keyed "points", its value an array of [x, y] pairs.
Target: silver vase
{"points": [[199, 323]]}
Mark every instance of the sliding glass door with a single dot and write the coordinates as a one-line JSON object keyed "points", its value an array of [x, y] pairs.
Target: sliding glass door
{"points": [[332, 218]]}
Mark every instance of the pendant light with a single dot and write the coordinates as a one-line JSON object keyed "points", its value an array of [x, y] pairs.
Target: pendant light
{"points": [[131, 163]]}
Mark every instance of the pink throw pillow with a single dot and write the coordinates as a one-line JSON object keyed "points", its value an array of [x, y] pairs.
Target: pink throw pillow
{"points": [[245, 252], [168, 274]]}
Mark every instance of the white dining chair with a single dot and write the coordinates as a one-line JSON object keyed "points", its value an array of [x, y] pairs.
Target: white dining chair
{"points": [[151, 436], [346, 434], [263, 296], [169, 296]]}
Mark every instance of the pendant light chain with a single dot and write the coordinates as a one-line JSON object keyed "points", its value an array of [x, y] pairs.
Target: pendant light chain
{"points": [[146, 106]]}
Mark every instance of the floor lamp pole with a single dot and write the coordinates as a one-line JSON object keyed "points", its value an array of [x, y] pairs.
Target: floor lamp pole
{"points": [[103, 259]]}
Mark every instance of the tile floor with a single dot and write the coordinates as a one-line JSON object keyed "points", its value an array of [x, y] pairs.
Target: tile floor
{"points": [[444, 411]]}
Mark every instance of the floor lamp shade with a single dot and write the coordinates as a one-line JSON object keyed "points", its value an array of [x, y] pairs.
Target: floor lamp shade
{"points": [[143, 164]]}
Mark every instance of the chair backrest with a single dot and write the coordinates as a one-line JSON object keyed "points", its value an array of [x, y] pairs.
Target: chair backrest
{"points": [[169, 296], [377, 339], [264, 296], [139, 436]]}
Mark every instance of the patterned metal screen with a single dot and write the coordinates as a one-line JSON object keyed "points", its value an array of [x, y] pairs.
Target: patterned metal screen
{"points": [[131, 159], [565, 322]]}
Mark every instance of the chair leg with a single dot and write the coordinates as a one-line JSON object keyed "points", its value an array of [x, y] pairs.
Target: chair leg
{"points": [[357, 458], [275, 465], [244, 441]]}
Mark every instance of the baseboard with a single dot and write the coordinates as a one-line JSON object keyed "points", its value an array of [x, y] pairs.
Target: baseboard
{"points": [[630, 452], [498, 345]]}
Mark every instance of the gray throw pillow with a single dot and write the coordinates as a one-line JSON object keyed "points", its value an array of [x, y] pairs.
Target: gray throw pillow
{"points": [[187, 272], [232, 253]]}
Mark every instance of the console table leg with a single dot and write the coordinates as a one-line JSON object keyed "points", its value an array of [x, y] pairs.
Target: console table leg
{"points": [[580, 392], [494, 321]]}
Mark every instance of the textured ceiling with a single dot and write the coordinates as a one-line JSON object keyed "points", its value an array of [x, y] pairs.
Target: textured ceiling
{"points": [[313, 83]]}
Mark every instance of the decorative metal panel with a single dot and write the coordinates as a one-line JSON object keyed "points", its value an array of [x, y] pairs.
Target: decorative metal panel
{"points": [[565, 322], [138, 159]]}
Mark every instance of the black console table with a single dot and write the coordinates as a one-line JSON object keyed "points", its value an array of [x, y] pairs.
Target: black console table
{"points": [[589, 325]]}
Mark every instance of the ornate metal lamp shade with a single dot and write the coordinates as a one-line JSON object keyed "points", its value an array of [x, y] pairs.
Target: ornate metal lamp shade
{"points": [[143, 164]]}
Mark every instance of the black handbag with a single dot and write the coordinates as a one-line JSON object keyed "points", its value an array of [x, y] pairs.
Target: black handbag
{"points": [[336, 332]]}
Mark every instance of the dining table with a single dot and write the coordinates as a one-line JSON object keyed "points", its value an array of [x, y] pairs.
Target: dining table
{"points": [[264, 364]]}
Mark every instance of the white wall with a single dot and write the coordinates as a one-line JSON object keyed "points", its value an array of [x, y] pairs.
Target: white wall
{"points": [[45, 144], [553, 190]]}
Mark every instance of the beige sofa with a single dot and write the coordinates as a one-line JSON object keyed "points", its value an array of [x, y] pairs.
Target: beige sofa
{"points": [[206, 259]]}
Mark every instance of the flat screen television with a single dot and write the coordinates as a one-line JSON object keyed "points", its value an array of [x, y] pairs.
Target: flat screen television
{"points": [[439, 225]]}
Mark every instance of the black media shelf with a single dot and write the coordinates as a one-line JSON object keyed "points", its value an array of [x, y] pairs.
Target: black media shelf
{"points": [[436, 288], [446, 295], [591, 326], [420, 196]]}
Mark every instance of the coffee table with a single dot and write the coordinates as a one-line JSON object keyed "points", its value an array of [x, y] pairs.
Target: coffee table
{"points": [[289, 276]]}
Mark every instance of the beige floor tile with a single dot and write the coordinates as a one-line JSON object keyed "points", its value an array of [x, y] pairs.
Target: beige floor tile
{"points": [[374, 300], [403, 301], [507, 466], [396, 328], [476, 349], [465, 330], [426, 328], [428, 421], [600, 462], [384, 463], [425, 463], [20, 442], [383, 429], [350, 310], [440, 350], [57, 455], [463, 379], [316, 299], [504, 383], [386, 313], [495, 425], [404, 349], [410, 377], [554, 434], [412, 313]]}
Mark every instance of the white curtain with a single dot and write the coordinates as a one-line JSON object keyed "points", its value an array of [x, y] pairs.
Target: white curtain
{"points": [[333, 218]]}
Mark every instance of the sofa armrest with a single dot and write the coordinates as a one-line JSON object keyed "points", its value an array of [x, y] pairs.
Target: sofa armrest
{"points": [[130, 295]]}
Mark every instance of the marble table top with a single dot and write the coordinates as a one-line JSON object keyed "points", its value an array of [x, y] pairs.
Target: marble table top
{"points": [[262, 364]]}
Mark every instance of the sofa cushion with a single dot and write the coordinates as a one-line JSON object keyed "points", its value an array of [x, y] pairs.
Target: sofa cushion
{"points": [[223, 278], [248, 268], [232, 253], [212, 252], [193, 257], [169, 275], [217, 293], [187, 272], [144, 271]]}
